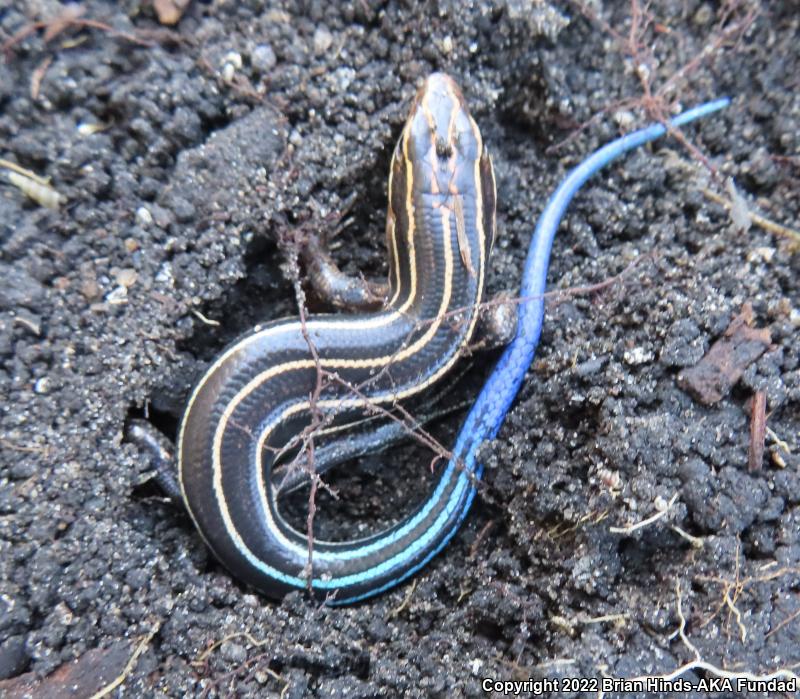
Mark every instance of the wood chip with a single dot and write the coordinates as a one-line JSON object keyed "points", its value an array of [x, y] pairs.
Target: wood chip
{"points": [[712, 378], [38, 75], [78, 678], [758, 431]]}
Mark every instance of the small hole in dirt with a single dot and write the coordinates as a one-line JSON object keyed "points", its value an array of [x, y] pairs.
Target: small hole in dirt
{"points": [[164, 421], [261, 295], [148, 490], [490, 631], [634, 555]]}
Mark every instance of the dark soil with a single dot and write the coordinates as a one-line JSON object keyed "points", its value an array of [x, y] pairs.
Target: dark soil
{"points": [[191, 175]]}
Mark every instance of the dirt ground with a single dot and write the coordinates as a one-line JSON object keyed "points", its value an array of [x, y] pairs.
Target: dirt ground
{"points": [[186, 156]]}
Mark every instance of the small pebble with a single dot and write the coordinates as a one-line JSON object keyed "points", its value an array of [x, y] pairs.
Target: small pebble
{"points": [[14, 657], [88, 129], [230, 64], [590, 366], [143, 216], [263, 58], [184, 210], [137, 578], [126, 277], [234, 58], [164, 275], [233, 652], [118, 295], [761, 254], [638, 355], [23, 469], [90, 289], [624, 118], [703, 15], [322, 40]]}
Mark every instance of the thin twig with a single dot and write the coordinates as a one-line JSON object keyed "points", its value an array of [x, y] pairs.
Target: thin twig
{"points": [[404, 604], [140, 648], [316, 415], [629, 529], [760, 221], [783, 673]]}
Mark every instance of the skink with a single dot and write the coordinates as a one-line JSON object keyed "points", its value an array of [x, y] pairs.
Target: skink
{"points": [[254, 399]]}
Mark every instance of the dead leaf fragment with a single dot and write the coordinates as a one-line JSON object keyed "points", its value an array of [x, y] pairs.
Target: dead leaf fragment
{"points": [[717, 372]]}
